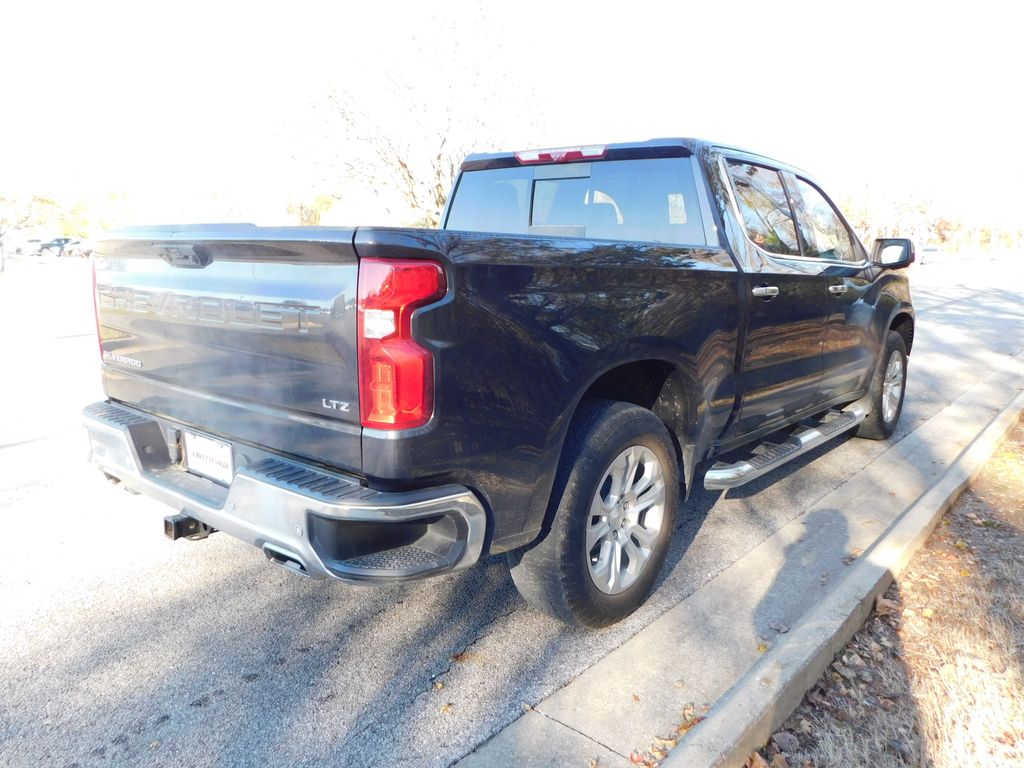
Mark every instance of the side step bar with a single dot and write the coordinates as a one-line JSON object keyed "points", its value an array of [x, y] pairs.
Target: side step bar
{"points": [[769, 456]]}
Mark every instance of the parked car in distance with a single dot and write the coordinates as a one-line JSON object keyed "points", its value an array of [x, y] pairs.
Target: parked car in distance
{"points": [[540, 378], [54, 247]]}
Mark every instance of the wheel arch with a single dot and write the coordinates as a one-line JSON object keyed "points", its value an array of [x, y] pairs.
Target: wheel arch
{"points": [[663, 387], [902, 322]]}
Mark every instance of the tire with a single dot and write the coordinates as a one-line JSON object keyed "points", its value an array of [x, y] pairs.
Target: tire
{"points": [[560, 575], [886, 401]]}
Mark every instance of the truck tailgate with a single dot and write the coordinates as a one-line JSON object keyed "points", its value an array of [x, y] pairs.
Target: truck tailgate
{"points": [[243, 332]]}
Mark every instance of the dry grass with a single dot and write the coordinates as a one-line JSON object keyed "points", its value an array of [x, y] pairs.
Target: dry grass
{"points": [[936, 676]]}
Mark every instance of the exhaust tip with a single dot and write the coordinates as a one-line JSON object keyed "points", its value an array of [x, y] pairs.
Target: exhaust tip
{"points": [[285, 559]]}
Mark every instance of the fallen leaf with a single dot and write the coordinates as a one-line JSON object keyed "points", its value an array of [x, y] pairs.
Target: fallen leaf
{"points": [[756, 761], [854, 554], [688, 718], [438, 685], [447, 708], [679, 683], [593, 762], [762, 647], [668, 741], [778, 761], [684, 727], [886, 607], [465, 656], [636, 698]]}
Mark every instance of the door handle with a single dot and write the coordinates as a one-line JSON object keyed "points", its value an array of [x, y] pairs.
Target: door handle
{"points": [[837, 290], [766, 291]]}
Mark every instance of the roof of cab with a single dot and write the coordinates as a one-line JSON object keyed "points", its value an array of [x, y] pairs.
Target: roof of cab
{"points": [[630, 150]]}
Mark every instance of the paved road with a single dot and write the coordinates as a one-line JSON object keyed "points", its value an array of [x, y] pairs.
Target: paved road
{"points": [[120, 647]]}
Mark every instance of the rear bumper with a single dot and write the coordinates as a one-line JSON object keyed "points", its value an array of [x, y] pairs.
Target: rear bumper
{"points": [[314, 522]]}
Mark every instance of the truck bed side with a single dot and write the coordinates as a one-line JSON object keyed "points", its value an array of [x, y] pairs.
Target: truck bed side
{"points": [[530, 327]]}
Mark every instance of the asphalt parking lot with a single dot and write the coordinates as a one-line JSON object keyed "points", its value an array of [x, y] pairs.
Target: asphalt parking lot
{"points": [[124, 648]]}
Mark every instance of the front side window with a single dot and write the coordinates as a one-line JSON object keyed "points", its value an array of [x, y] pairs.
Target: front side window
{"points": [[651, 200], [767, 217], [825, 236]]}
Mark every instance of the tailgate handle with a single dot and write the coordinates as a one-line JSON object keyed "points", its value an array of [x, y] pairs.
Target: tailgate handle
{"points": [[184, 254]]}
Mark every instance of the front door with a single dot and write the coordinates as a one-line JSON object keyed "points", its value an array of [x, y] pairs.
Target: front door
{"points": [[848, 351]]}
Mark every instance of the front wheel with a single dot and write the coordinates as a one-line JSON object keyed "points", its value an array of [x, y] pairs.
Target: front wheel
{"points": [[888, 386], [613, 506]]}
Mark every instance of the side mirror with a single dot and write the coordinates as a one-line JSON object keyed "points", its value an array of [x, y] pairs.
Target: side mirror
{"points": [[893, 252]]}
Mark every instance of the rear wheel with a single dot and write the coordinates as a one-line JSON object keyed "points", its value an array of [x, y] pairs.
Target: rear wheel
{"points": [[613, 506], [887, 390]]}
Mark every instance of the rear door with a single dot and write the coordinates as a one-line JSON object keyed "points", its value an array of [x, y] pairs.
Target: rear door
{"points": [[786, 295], [241, 332]]}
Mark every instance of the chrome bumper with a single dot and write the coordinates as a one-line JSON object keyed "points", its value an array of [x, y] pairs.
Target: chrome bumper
{"points": [[314, 522]]}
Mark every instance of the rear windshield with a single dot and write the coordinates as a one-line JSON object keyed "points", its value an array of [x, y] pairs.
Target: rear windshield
{"points": [[640, 200]]}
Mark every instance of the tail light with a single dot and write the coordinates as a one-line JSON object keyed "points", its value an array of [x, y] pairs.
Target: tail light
{"points": [[562, 155], [396, 375]]}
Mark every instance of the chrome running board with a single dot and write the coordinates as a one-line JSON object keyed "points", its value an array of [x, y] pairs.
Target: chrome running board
{"points": [[769, 456]]}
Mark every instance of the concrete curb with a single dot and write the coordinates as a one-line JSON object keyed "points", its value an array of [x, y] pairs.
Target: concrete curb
{"points": [[764, 697]]}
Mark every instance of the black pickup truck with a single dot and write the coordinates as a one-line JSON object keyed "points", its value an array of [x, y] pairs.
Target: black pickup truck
{"points": [[541, 377]]}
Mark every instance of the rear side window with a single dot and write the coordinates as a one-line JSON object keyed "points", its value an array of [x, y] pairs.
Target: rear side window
{"points": [[767, 217], [639, 200], [825, 236]]}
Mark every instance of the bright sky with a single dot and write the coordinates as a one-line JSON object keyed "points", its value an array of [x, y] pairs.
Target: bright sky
{"points": [[182, 102]]}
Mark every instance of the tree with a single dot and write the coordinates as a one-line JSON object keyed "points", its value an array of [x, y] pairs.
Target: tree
{"points": [[15, 213], [309, 213], [421, 173], [942, 229]]}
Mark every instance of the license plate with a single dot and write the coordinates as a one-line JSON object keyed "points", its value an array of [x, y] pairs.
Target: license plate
{"points": [[209, 458]]}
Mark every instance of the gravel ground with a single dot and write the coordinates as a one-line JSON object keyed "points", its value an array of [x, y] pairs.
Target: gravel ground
{"points": [[123, 648], [935, 675]]}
